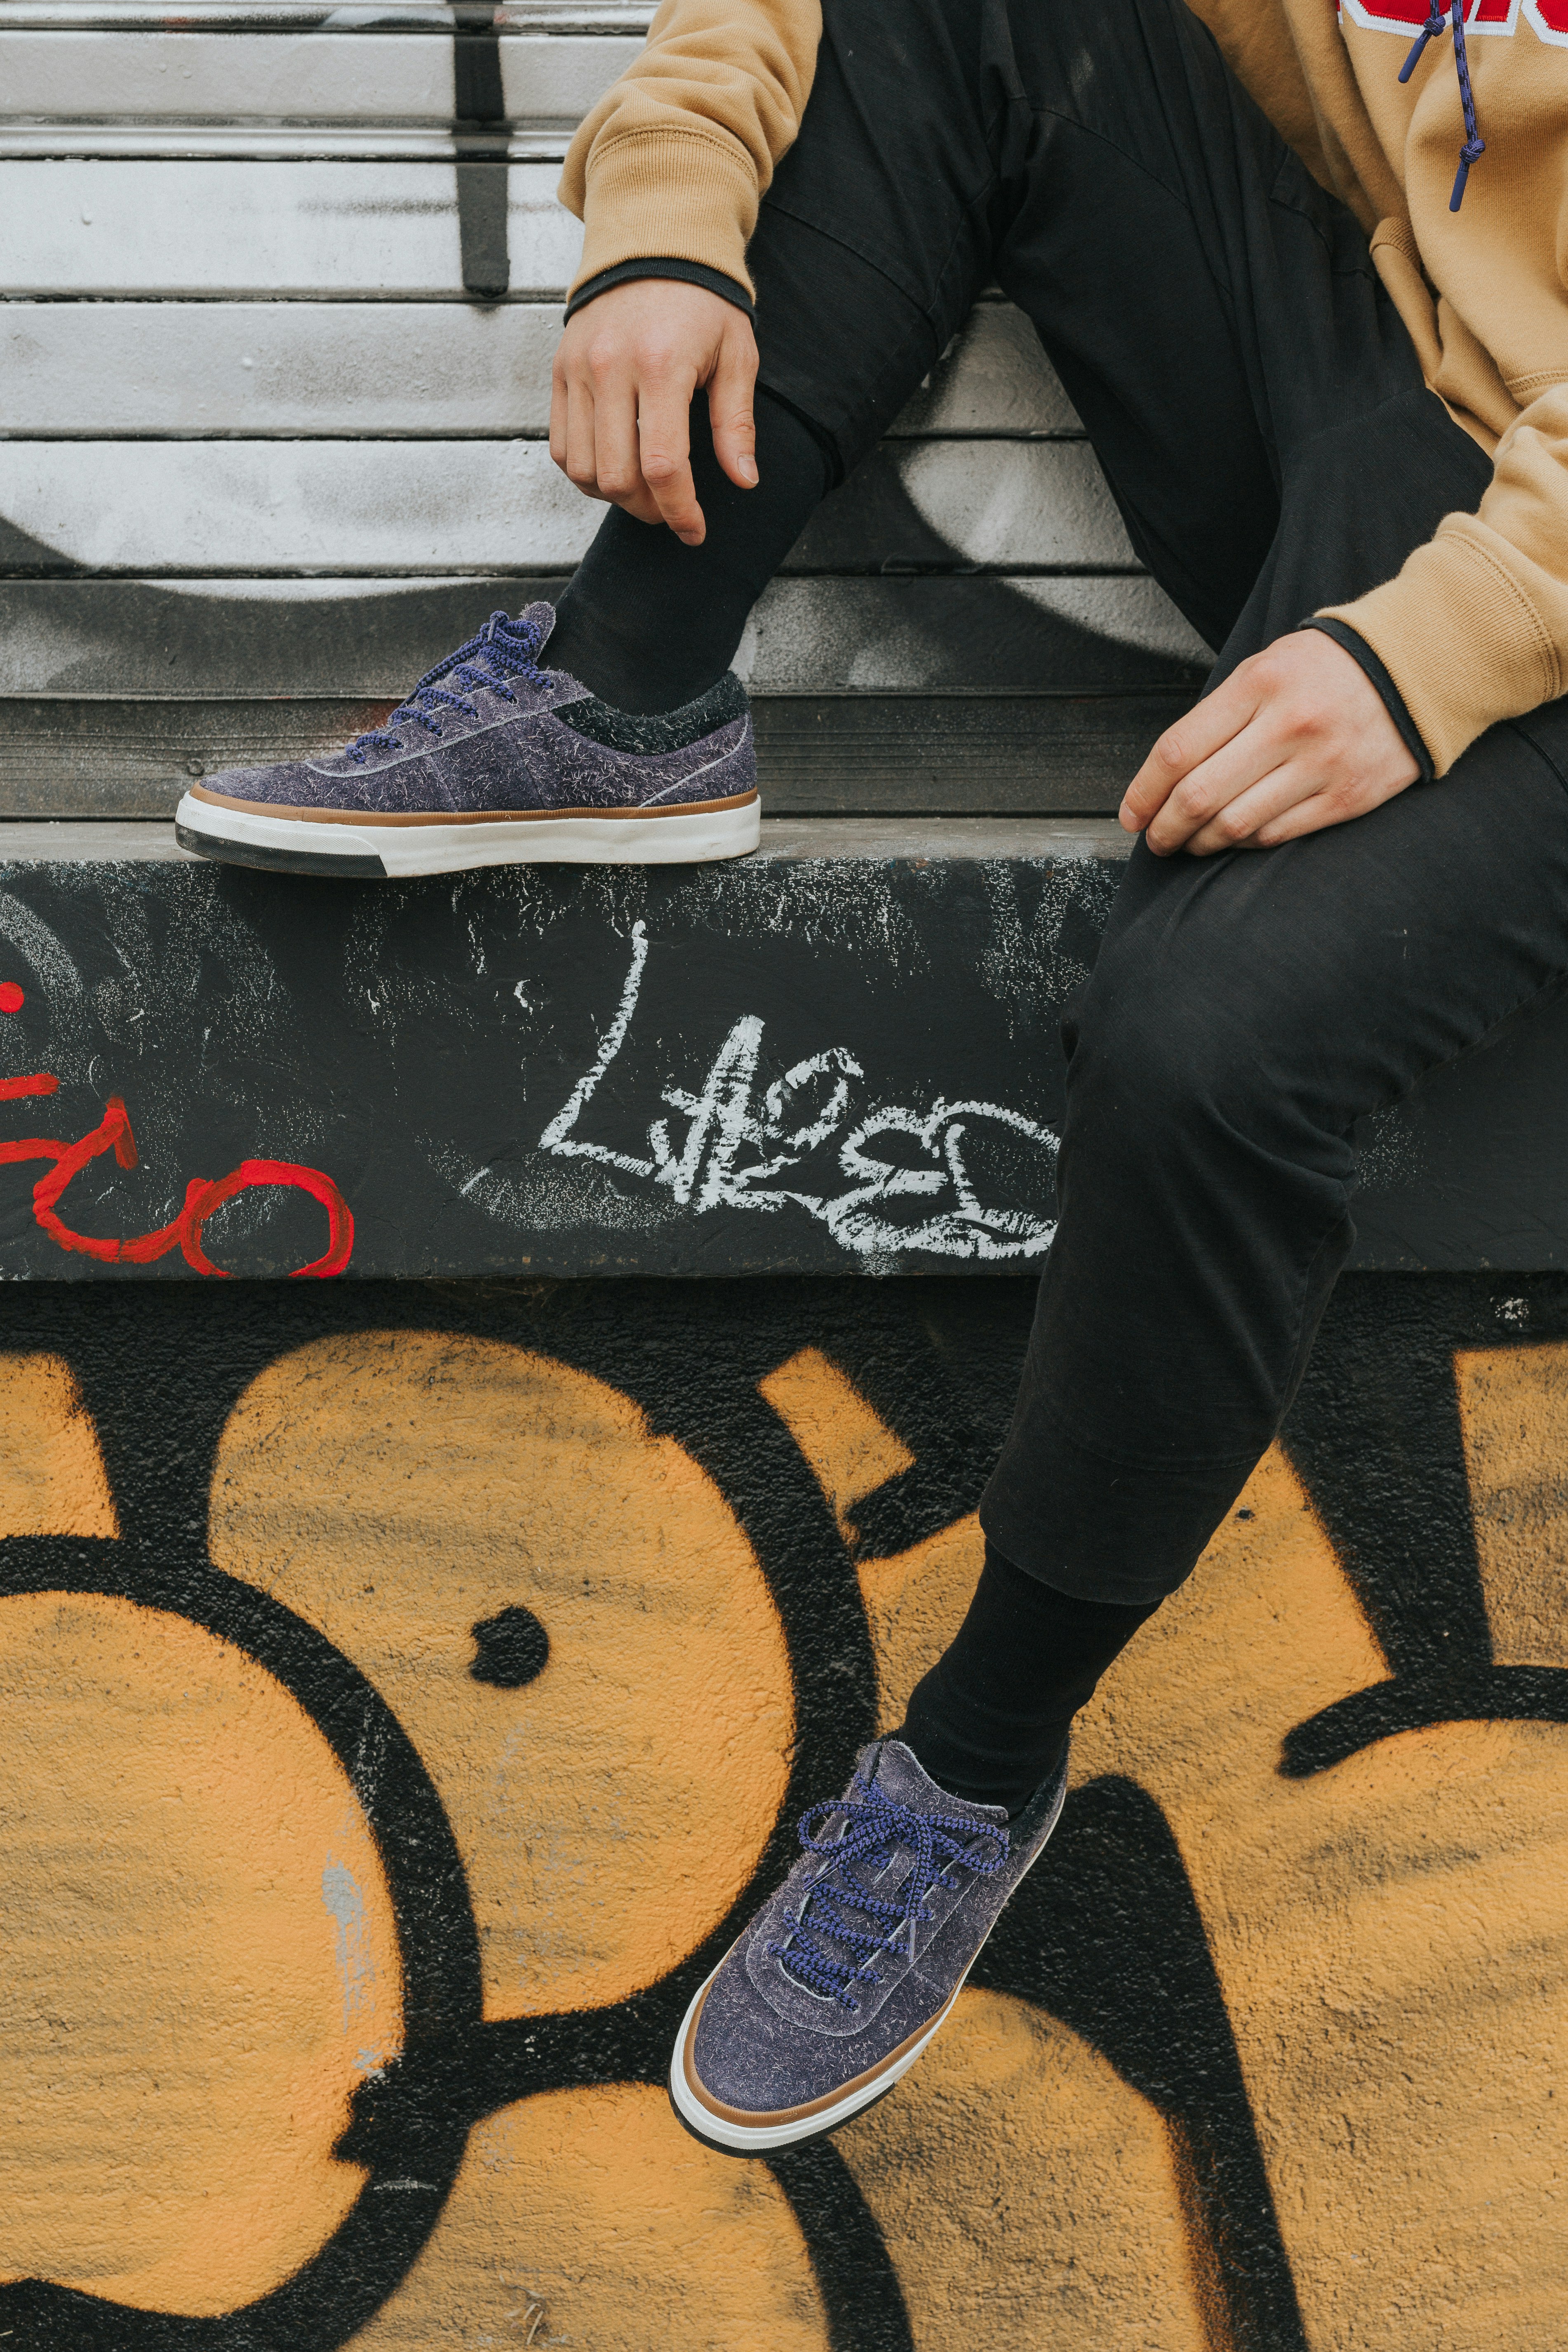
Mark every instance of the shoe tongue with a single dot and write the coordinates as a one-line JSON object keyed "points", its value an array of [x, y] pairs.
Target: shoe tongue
{"points": [[541, 616], [903, 1778]]}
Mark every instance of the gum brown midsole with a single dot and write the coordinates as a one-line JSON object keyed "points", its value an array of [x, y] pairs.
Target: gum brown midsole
{"points": [[459, 816], [760, 2122]]}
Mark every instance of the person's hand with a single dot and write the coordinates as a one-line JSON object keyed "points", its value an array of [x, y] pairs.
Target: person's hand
{"points": [[625, 372], [1296, 739]]}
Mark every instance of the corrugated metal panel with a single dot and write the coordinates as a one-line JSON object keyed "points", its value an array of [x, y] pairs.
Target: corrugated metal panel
{"points": [[234, 638], [281, 292], [84, 77], [467, 506]]}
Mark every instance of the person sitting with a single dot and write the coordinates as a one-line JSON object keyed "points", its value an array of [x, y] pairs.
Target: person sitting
{"points": [[1316, 329]]}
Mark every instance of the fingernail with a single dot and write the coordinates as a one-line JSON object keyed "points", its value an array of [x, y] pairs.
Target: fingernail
{"points": [[748, 469]]}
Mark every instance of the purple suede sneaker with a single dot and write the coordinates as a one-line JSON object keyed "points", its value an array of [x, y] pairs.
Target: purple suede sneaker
{"points": [[493, 761], [842, 1979]]}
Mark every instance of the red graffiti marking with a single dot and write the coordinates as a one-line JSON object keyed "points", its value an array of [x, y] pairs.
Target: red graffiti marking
{"points": [[202, 1197], [11, 997]]}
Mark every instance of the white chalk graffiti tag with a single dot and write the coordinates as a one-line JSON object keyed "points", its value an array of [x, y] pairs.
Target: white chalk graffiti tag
{"points": [[737, 1148]]}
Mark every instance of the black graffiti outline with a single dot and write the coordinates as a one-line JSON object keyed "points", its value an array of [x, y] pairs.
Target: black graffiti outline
{"points": [[1403, 1532], [159, 1471]]}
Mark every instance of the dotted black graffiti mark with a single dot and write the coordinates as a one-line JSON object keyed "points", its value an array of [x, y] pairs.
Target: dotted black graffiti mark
{"points": [[509, 1651]]}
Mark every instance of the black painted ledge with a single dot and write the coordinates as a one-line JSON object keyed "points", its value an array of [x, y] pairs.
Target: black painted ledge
{"points": [[837, 1057], [893, 838]]}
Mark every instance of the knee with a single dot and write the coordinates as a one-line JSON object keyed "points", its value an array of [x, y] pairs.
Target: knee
{"points": [[1157, 1052]]}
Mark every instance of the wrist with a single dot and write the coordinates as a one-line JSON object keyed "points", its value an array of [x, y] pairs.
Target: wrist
{"points": [[1350, 642], [683, 273]]}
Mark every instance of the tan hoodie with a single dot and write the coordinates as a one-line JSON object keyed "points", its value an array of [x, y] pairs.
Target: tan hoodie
{"points": [[671, 162]]}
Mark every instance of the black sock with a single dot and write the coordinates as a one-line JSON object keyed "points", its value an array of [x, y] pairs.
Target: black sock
{"points": [[991, 1718], [647, 624]]}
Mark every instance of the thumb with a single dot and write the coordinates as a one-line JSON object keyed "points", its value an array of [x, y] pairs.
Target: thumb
{"points": [[730, 407]]}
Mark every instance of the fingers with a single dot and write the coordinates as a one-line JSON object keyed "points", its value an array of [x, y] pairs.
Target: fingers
{"points": [[560, 395], [617, 456], [1212, 791], [1205, 729], [730, 404], [664, 440], [1249, 819], [1311, 815], [581, 456], [594, 435], [572, 424]]}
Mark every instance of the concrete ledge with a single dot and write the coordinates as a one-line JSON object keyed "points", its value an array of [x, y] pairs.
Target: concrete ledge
{"points": [[915, 839], [840, 1055], [90, 843]]}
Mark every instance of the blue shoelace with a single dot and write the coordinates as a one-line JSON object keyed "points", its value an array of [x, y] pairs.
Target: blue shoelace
{"points": [[875, 1824], [507, 648], [1475, 145]]}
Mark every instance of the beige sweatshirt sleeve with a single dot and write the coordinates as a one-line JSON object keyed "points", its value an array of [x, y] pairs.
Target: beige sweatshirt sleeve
{"points": [[674, 159], [1474, 626]]}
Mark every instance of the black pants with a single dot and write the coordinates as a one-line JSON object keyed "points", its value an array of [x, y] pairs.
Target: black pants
{"points": [[1259, 413]]}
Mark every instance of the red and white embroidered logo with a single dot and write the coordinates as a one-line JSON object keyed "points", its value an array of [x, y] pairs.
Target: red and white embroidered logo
{"points": [[1548, 19]]}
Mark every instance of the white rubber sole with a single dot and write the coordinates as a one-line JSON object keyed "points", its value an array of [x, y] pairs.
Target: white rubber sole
{"points": [[371, 852], [758, 2139]]}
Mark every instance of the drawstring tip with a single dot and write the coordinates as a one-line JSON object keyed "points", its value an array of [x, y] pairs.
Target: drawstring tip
{"points": [[1469, 155], [1416, 53]]}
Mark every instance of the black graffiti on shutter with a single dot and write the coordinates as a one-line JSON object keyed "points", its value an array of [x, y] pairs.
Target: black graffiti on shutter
{"points": [[479, 102]]}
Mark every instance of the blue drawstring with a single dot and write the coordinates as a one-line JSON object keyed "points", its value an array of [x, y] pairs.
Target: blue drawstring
{"points": [[1475, 145], [873, 1829], [507, 647]]}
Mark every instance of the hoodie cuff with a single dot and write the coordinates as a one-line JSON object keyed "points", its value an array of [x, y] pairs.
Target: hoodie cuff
{"points": [[686, 273], [1392, 700], [687, 195], [1461, 637]]}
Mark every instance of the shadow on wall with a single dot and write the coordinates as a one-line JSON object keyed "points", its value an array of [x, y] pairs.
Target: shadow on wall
{"points": [[407, 1695]]}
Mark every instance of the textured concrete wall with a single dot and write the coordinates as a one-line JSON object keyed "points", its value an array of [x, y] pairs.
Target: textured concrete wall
{"points": [[408, 1690]]}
